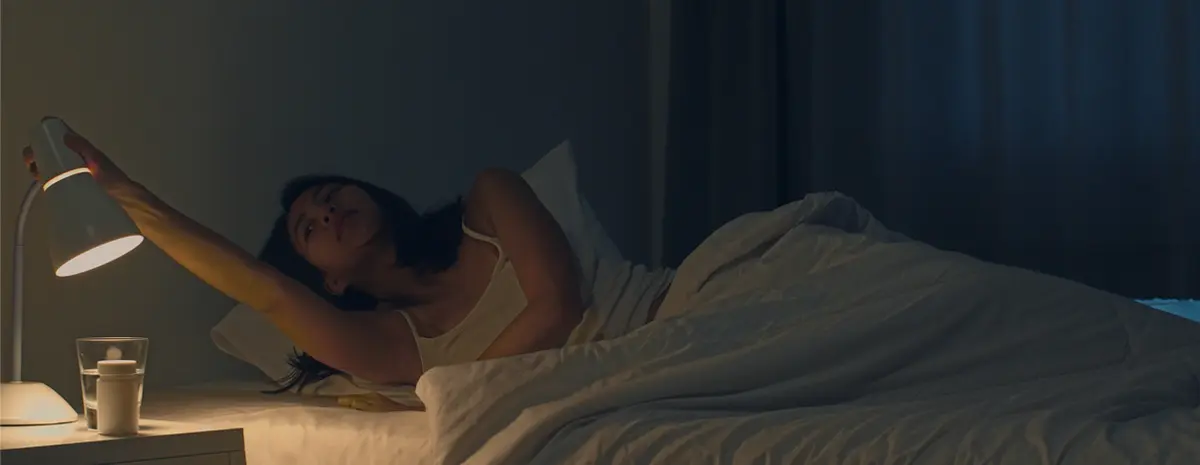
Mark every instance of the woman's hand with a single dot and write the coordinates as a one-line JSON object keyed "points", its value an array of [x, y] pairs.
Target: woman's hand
{"points": [[102, 168], [375, 402]]}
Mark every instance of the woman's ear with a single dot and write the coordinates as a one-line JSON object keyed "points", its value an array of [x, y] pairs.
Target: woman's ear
{"points": [[335, 286]]}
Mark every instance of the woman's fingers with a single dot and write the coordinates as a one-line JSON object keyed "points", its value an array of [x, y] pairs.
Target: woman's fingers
{"points": [[372, 402], [30, 164], [102, 168], [91, 156]]}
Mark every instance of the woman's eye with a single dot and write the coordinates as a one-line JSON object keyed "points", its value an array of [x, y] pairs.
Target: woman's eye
{"points": [[308, 230]]}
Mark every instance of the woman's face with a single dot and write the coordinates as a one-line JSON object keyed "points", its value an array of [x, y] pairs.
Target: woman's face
{"points": [[333, 226]]}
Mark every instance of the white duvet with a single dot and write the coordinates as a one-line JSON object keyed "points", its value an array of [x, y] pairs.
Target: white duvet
{"points": [[812, 334]]}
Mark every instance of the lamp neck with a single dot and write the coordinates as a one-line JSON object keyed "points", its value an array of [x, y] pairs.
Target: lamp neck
{"points": [[18, 277]]}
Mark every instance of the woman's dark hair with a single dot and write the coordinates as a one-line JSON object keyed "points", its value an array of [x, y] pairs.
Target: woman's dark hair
{"points": [[426, 243]]}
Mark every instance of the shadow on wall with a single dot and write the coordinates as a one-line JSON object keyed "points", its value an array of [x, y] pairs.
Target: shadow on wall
{"points": [[213, 105]]}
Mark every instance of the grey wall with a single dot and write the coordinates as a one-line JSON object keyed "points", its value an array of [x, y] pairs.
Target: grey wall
{"points": [[214, 104]]}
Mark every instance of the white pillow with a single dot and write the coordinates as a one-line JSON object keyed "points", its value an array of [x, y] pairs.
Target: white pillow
{"points": [[250, 337]]}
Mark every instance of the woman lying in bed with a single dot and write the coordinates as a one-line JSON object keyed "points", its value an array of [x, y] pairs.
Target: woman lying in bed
{"points": [[365, 285]]}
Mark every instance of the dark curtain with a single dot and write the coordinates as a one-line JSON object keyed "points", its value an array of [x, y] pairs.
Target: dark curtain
{"points": [[1057, 135]]}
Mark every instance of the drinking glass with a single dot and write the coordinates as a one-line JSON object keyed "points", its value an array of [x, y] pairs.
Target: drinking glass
{"points": [[92, 350]]}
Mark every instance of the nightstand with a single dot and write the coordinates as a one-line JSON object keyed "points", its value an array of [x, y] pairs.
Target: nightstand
{"points": [[159, 443]]}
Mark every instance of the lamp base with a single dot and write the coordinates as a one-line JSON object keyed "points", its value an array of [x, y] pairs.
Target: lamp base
{"points": [[28, 403]]}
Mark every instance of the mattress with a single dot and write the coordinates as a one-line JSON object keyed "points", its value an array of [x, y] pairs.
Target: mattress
{"points": [[293, 430]]}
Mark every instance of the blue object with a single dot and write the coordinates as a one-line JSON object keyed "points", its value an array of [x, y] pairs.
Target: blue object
{"points": [[1189, 309]]}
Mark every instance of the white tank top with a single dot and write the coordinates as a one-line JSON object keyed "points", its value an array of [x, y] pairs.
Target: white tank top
{"points": [[501, 302], [617, 300]]}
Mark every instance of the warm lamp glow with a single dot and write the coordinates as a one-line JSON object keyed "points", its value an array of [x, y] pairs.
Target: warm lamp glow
{"points": [[99, 255], [64, 175]]}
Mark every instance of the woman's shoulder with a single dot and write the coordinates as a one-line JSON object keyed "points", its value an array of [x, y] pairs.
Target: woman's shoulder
{"points": [[480, 201], [476, 218]]}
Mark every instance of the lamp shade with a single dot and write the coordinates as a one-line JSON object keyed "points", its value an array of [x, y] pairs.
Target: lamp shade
{"points": [[87, 228]]}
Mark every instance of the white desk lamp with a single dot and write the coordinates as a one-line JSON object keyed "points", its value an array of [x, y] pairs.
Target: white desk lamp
{"points": [[87, 229]]}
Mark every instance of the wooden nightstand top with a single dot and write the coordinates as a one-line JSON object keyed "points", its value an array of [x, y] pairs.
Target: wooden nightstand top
{"points": [[159, 441]]}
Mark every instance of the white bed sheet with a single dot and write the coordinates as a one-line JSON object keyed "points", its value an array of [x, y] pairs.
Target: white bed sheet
{"points": [[287, 429]]}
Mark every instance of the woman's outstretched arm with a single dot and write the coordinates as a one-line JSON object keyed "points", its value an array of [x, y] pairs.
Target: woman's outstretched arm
{"points": [[376, 346]]}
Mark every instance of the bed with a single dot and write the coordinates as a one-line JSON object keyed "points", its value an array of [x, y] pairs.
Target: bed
{"points": [[808, 334], [287, 429]]}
